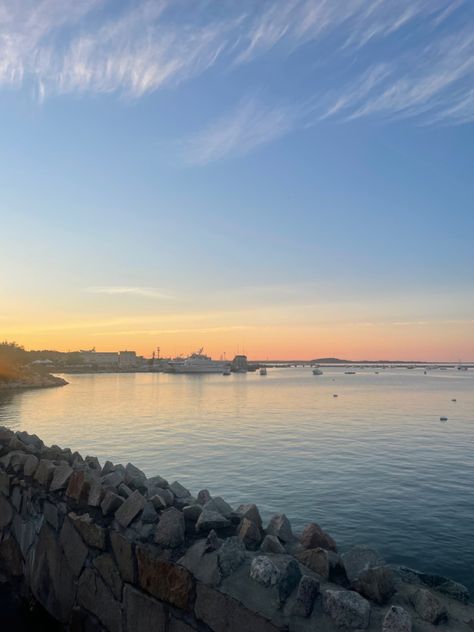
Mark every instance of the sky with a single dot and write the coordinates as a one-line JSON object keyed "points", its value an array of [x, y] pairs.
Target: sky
{"points": [[283, 178]]}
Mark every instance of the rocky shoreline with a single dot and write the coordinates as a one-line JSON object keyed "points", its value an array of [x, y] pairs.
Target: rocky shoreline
{"points": [[103, 547], [31, 379]]}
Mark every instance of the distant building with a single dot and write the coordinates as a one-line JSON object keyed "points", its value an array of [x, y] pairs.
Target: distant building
{"points": [[127, 359], [100, 358]]}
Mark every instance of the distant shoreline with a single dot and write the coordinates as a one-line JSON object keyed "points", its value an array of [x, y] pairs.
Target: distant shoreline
{"points": [[45, 380]]}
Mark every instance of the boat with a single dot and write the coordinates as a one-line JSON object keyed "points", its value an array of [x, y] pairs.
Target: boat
{"points": [[197, 363], [317, 372], [263, 370]]}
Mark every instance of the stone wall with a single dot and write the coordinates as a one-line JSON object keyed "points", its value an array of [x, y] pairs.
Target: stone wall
{"points": [[106, 548]]}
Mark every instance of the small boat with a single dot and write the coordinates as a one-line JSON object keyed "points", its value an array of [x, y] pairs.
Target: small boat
{"points": [[335, 395], [226, 372], [443, 419], [263, 370], [317, 372], [349, 372]]}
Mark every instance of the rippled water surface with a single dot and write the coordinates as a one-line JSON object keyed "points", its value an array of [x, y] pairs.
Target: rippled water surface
{"points": [[374, 465]]}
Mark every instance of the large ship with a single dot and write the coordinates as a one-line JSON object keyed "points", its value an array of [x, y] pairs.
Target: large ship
{"points": [[197, 363]]}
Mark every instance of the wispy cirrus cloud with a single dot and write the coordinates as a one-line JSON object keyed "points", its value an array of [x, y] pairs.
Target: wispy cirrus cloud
{"points": [[249, 125], [126, 290], [409, 58], [439, 87]]}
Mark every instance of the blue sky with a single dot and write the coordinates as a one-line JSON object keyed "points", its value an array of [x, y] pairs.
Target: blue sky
{"points": [[232, 172]]}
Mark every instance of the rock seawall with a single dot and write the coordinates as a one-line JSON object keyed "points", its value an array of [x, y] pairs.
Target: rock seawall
{"points": [[105, 548]]}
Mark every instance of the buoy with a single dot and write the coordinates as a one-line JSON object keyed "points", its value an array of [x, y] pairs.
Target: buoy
{"points": [[443, 419]]}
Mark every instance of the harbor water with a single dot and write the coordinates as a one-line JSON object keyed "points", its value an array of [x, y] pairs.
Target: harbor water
{"points": [[373, 465]]}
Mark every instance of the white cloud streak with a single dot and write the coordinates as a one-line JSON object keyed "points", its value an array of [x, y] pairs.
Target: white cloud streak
{"points": [[249, 125], [124, 290], [407, 58]]}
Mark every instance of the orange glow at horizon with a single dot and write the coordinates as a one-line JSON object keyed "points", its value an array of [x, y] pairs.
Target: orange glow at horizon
{"points": [[433, 342]]}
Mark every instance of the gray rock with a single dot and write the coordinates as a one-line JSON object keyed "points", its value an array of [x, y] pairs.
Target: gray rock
{"points": [[93, 463], [438, 582], [202, 564], [16, 498], [74, 548], [157, 481], [264, 571], [111, 503], [290, 576], [230, 555], [5, 483], [455, 590], [250, 533], [92, 534], [271, 544], [95, 596], [427, 606], [143, 614], [210, 519], [181, 503], [31, 464], [51, 515], [44, 472], [326, 563], [313, 537], [6, 512], [308, 590], [149, 514], [219, 504], [96, 493], [212, 542], [280, 527], [61, 477], [250, 512], [191, 513], [28, 439], [170, 530], [108, 570], [376, 583], [130, 509], [348, 609], [162, 498], [359, 559], [108, 467], [113, 479], [123, 553], [124, 490], [25, 534], [134, 477], [179, 491], [397, 619], [51, 577], [203, 496]]}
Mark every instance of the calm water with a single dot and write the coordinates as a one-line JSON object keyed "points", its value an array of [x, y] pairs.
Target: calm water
{"points": [[374, 465]]}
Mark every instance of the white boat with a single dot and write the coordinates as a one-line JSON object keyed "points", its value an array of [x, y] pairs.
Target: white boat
{"points": [[263, 370], [197, 363], [317, 372]]}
